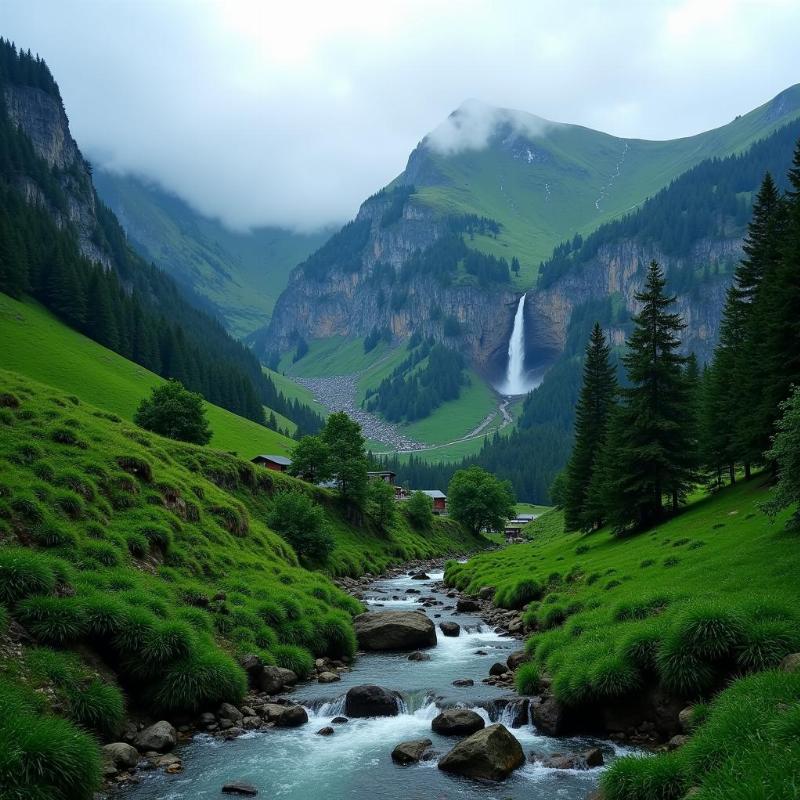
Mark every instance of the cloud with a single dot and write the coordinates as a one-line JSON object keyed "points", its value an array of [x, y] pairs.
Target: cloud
{"points": [[291, 114]]}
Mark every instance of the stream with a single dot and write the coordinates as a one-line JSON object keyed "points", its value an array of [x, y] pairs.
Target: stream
{"points": [[355, 763]]}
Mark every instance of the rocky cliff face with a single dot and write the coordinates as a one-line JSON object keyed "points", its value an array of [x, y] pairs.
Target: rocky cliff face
{"points": [[42, 118], [619, 269], [351, 302]]}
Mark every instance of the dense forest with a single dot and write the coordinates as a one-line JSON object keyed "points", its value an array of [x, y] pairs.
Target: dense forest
{"points": [[711, 200], [134, 309]]}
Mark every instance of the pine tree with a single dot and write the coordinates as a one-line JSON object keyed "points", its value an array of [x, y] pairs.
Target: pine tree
{"points": [[656, 452], [591, 417]]}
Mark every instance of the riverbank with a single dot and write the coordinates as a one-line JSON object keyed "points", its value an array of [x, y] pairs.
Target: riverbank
{"points": [[277, 755]]}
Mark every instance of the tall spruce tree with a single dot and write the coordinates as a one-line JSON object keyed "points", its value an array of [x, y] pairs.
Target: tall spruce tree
{"points": [[656, 455], [591, 419]]}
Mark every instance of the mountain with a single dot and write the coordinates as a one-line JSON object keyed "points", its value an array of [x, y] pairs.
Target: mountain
{"points": [[240, 274]]}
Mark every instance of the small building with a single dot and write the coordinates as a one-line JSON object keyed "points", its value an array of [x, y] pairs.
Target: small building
{"points": [[276, 463], [439, 500], [525, 518], [387, 476], [513, 528]]}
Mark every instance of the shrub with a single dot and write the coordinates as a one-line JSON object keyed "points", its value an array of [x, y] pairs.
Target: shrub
{"points": [[233, 518], [174, 412], [708, 631], [27, 508], [518, 594], [613, 676], [265, 638], [53, 620], [527, 679], [295, 658], [101, 553], [137, 625], [43, 757], [680, 670], [552, 617], [337, 634], [203, 679], [162, 644], [23, 573], [104, 616], [765, 643], [640, 646], [138, 545], [643, 778], [47, 535], [641, 608], [158, 536], [98, 706], [136, 466], [581, 549], [64, 435], [418, 509], [302, 523]]}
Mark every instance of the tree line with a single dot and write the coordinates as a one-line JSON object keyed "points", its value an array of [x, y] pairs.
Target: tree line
{"points": [[640, 447]]}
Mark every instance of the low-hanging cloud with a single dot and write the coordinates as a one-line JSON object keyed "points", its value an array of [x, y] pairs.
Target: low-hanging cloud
{"points": [[260, 112]]}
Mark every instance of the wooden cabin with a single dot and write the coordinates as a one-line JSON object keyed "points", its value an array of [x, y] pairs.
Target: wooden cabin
{"points": [[438, 499], [275, 463], [387, 476]]}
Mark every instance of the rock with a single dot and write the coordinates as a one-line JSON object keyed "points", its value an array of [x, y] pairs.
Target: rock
{"points": [[465, 605], [273, 679], [490, 754], [486, 592], [121, 755], [240, 787], [207, 718], [517, 658], [548, 716], [250, 723], [498, 669], [247, 711], [481, 653], [368, 700], [339, 720], [463, 682], [228, 711], [791, 663], [160, 736], [272, 711], [685, 719], [326, 731], [679, 740], [418, 656], [450, 628], [420, 576], [292, 717], [457, 722], [410, 752], [394, 630], [593, 757], [168, 760], [254, 667], [329, 677]]}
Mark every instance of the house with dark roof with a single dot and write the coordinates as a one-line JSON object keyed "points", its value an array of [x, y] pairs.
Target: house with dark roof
{"points": [[276, 463]]}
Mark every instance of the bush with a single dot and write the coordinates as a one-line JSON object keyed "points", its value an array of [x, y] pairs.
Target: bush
{"points": [[43, 757], [136, 627], [203, 679], [174, 412], [53, 620], [337, 634], [765, 643], [419, 512], [302, 523], [162, 644], [138, 545], [47, 535], [101, 553], [518, 594], [98, 706], [709, 632], [158, 536], [527, 679], [680, 670], [643, 778], [295, 658], [104, 616]]}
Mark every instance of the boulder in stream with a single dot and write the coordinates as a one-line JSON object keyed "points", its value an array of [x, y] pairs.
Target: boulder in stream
{"points": [[490, 754], [420, 576], [450, 628], [394, 630], [292, 717], [410, 752], [368, 700], [160, 737], [240, 788], [419, 656], [457, 722], [464, 604]]}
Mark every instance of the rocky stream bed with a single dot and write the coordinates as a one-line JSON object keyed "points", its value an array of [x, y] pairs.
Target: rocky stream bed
{"points": [[426, 710]]}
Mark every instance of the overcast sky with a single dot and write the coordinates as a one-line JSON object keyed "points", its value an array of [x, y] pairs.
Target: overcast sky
{"points": [[292, 112]]}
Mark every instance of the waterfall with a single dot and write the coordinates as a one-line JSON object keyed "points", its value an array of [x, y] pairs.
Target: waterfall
{"points": [[515, 382]]}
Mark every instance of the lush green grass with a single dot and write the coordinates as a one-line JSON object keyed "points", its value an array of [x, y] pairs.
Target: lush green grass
{"points": [[531, 508], [242, 273], [294, 391], [708, 596], [548, 199], [38, 345], [334, 356], [153, 554]]}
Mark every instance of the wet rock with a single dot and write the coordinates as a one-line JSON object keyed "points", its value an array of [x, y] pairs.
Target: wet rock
{"points": [[272, 711], [420, 576], [498, 669], [463, 682], [410, 752], [251, 723], [273, 679], [339, 720], [326, 731], [228, 711], [394, 630], [588, 759], [481, 653], [418, 656], [490, 754], [517, 658], [240, 788], [168, 760], [791, 663], [457, 722], [121, 755], [685, 718], [368, 700], [679, 740], [486, 592], [465, 605], [548, 716], [450, 628], [160, 736], [254, 667], [292, 717], [329, 677]]}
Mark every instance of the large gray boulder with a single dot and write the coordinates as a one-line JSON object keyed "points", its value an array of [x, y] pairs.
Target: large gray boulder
{"points": [[457, 722], [491, 754], [292, 717], [272, 680], [160, 736], [394, 630], [370, 701], [121, 755], [450, 628], [410, 752]]}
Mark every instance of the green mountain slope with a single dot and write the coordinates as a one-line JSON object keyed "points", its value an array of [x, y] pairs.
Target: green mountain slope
{"points": [[241, 274], [41, 347], [545, 182]]}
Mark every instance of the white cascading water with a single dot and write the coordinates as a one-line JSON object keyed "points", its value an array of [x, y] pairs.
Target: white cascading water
{"points": [[515, 373]]}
